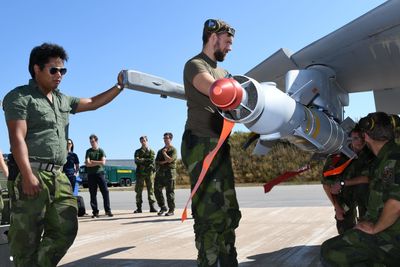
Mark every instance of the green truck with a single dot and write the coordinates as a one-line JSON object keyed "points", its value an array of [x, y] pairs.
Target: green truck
{"points": [[115, 175]]}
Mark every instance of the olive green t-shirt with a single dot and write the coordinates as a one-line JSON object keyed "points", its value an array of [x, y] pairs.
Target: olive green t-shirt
{"points": [[172, 153], [47, 122], [203, 118], [95, 154]]}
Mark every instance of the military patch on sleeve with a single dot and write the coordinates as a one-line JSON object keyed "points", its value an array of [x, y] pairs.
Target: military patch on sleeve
{"points": [[388, 175], [388, 172]]}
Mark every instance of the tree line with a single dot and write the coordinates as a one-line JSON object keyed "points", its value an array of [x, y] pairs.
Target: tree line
{"points": [[250, 168]]}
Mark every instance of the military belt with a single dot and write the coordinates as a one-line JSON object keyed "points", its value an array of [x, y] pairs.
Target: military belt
{"points": [[45, 166]]}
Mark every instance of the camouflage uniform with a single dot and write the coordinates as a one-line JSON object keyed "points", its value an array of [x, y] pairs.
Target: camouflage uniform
{"points": [[144, 159], [357, 248], [214, 206], [351, 197], [358, 195], [43, 226], [215, 209], [165, 177]]}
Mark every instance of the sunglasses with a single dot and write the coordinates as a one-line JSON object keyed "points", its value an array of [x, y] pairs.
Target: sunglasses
{"points": [[54, 70]]}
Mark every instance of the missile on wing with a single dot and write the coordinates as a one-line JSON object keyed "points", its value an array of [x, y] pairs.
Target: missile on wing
{"points": [[306, 115]]}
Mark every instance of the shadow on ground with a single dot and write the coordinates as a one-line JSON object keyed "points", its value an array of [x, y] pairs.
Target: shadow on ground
{"points": [[299, 256], [99, 260]]}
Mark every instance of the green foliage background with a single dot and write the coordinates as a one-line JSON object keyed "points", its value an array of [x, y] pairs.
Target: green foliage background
{"points": [[249, 168]]}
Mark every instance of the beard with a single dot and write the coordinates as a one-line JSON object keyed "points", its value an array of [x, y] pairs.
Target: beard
{"points": [[219, 55]]}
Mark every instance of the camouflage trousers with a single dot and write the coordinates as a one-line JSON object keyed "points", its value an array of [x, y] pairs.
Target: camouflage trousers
{"points": [[165, 178], [352, 198], [355, 248], [42, 227], [214, 206], [147, 178]]}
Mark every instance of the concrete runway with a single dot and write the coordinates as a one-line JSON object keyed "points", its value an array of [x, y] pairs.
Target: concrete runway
{"points": [[282, 228]]}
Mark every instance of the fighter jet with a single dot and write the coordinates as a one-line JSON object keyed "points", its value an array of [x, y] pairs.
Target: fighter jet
{"points": [[300, 97]]}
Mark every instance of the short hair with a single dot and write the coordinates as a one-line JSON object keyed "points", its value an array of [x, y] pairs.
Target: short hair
{"points": [[40, 55], [144, 137], [223, 27], [356, 130], [93, 136], [378, 126], [169, 135]]}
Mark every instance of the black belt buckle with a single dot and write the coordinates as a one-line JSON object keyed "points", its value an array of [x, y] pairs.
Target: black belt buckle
{"points": [[49, 167]]}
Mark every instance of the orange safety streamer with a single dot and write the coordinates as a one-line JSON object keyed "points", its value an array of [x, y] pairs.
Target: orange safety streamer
{"points": [[226, 130], [339, 169], [283, 177]]}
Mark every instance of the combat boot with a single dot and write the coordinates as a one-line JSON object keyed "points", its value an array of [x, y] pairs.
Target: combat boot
{"points": [[138, 210], [162, 211], [152, 209], [169, 213]]}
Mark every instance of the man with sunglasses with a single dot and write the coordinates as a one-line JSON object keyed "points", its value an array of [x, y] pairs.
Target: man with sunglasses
{"points": [[214, 206], [43, 211]]}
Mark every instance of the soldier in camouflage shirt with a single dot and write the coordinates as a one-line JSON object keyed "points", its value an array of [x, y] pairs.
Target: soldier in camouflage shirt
{"points": [[348, 191], [43, 210], [166, 176], [144, 159], [375, 241]]}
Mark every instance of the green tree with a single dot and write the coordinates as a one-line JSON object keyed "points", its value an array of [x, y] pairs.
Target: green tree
{"points": [[250, 168]]}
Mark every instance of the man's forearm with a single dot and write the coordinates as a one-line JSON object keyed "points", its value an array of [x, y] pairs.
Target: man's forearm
{"points": [[357, 180], [390, 214]]}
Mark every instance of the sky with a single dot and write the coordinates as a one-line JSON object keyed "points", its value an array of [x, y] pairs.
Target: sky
{"points": [[156, 37]]}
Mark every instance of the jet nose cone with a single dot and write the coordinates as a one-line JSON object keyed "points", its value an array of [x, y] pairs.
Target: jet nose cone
{"points": [[226, 93]]}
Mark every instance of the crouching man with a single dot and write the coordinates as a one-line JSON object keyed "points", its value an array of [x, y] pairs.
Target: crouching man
{"points": [[376, 239]]}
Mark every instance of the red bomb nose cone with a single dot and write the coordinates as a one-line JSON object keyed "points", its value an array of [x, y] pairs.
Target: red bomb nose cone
{"points": [[226, 93]]}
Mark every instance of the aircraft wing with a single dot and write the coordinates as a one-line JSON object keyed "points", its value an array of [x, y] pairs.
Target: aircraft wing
{"points": [[365, 55], [151, 84]]}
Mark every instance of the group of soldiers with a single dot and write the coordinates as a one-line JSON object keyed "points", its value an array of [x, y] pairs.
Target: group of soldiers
{"points": [[365, 194], [157, 172]]}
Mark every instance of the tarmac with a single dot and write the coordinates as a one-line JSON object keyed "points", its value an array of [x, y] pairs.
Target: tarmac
{"points": [[275, 236], [283, 228]]}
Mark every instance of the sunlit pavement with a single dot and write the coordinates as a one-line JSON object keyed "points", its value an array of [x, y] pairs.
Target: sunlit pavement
{"points": [[276, 236]]}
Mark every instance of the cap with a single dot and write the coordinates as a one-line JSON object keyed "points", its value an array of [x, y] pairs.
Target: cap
{"points": [[218, 26]]}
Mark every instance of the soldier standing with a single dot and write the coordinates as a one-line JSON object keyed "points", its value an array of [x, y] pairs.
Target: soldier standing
{"points": [[375, 240], [214, 206], [144, 159], [166, 176], [43, 210], [95, 161]]}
